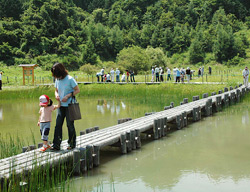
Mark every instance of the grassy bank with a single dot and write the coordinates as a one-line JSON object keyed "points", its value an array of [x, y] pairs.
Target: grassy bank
{"points": [[117, 91]]}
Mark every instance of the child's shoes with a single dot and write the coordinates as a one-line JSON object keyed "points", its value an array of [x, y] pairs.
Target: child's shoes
{"points": [[43, 149]]}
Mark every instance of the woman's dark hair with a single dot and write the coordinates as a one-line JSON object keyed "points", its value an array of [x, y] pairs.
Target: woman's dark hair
{"points": [[50, 102], [59, 71]]}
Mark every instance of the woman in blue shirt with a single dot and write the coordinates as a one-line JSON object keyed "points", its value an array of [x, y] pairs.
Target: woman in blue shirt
{"points": [[66, 88]]}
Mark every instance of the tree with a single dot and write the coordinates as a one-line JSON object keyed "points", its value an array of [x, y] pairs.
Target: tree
{"points": [[133, 58]]}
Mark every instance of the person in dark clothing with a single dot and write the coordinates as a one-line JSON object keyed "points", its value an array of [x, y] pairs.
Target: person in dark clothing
{"points": [[210, 70], [132, 76]]}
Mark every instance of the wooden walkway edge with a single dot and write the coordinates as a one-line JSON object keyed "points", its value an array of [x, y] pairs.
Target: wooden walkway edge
{"points": [[125, 135]]}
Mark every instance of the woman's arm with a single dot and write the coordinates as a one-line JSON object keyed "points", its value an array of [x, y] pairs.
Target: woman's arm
{"points": [[76, 91]]}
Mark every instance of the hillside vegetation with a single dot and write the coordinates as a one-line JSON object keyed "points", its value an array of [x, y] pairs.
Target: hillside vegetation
{"points": [[133, 34]]}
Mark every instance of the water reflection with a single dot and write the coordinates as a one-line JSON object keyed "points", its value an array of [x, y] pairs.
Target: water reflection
{"points": [[245, 118], [213, 152], [114, 106]]}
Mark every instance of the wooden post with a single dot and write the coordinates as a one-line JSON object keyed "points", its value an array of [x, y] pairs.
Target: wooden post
{"points": [[155, 129], [96, 156], [83, 160], [32, 147], [162, 127], [179, 121], [226, 100], [238, 95], [123, 143], [24, 149], [184, 117], [213, 93], [159, 128], [165, 125], [138, 138], [128, 141], [76, 162], [82, 132], [133, 141], [88, 130], [39, 145], [225, 89], [220, 92], [172, 104], [185, 100], [89, 155]]}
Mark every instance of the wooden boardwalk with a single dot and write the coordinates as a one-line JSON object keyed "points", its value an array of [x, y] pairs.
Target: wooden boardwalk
{"points": [[125, 135]]}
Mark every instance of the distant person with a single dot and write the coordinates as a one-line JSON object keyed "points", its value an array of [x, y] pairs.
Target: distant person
{"points": [[132, 76], [108, 78], [169, 74], [178, 75], [157, 73], [117, 72], [112, 74], [66, 88], [210, 70], [1, 73], [102, 73], [188, 74], [199, 72], [174, 73], [161, 74], [153, 74], [45, 119], [245, 74], [127, 73], [123, 77], [98, 74], [182, 75], [202, 71]]}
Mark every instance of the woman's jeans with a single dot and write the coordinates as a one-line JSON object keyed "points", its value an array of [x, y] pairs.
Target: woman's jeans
{"points": [[63, 112]]}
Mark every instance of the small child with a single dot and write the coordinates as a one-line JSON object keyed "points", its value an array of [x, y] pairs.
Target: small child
{"points": [[45, 119]]}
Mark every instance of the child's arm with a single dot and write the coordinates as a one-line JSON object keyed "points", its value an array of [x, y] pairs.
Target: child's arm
{"points": [[58, 105]]}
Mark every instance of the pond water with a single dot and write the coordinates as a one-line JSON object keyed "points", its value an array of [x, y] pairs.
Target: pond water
{"points": [[19, 118], [209, 155]]}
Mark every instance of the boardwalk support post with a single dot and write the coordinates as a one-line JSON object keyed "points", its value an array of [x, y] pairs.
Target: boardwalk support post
{"points": [[184, 117], [89, 154], [226, 100], [83, 162], [96, 156], [76, 162], [179, 122], [165, 125], [128, 141], [123, 143], [133, 141], [155, 129], [138, 138]]}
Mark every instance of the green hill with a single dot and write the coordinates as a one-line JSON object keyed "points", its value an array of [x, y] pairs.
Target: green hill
{"points": [[79, 32]]}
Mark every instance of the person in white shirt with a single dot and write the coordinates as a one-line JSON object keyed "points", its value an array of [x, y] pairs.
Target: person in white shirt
{"points": [[153, 74], [161, 74], [245, 74], [102, 73], [157, 71], [108, 78], [123, 77], [169, 74], [112, 73], [117, 72], [174, 74]]}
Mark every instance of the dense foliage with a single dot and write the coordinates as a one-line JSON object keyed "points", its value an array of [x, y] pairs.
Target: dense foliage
{"points": [[129, 32]]}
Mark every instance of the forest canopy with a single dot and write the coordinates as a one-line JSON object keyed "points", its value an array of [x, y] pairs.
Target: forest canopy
{"points": [[80, 32]]}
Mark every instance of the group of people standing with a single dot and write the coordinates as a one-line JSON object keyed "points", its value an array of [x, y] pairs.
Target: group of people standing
{"points": [[114, 75], [178, 74]]}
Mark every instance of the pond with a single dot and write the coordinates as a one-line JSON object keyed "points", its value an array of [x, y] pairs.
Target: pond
{"points": [[209, 155]]}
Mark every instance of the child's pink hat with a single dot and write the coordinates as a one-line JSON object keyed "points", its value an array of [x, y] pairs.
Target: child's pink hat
{"points": [[44, 100]]}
